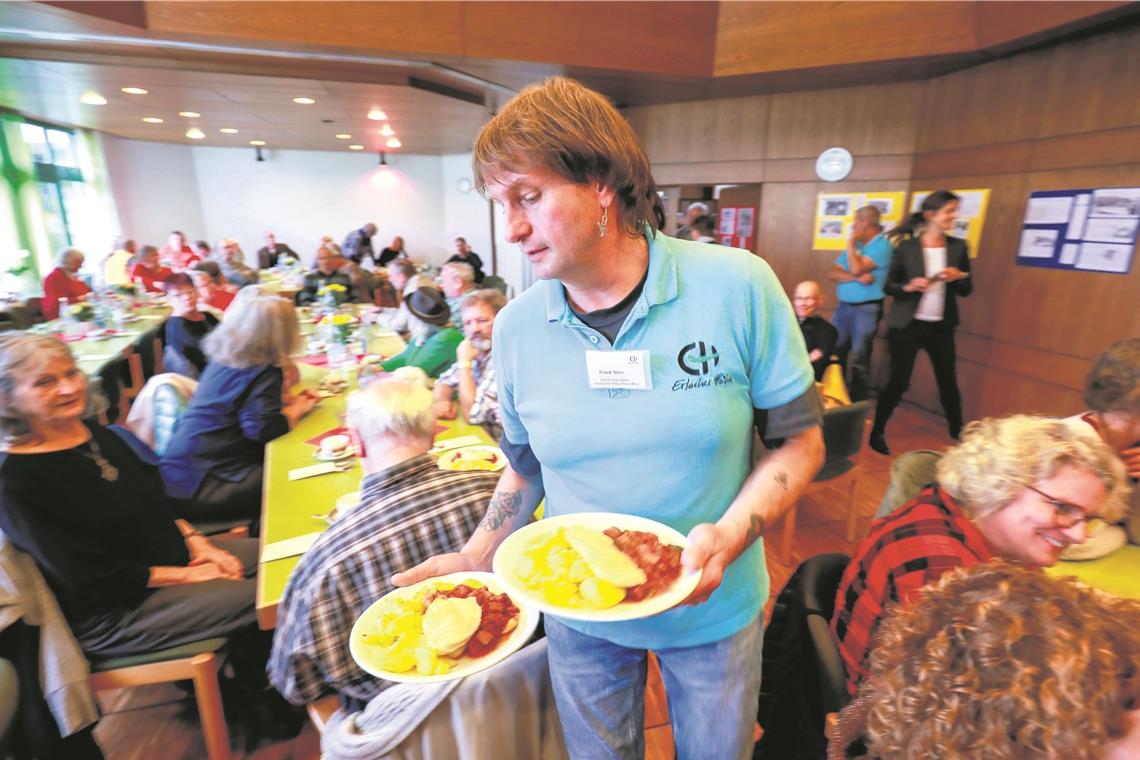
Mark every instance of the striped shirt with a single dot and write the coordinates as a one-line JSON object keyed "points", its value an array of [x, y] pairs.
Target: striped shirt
{"points": [[906, 550], [485, 407], [408, 513]]}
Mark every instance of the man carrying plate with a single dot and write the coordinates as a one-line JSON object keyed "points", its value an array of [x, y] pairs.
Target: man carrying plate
{"points": [[629, 382]]}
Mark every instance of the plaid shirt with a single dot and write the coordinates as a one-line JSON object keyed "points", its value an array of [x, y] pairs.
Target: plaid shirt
{"points": [[485, 408], [906, 550], [408, 513]]}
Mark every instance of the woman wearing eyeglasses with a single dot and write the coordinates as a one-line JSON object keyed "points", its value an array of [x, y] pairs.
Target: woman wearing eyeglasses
{"points": [[1020, 488]]}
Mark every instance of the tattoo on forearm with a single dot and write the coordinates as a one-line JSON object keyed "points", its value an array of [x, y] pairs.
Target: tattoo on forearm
{"points": [[504, 505], [755, 528], [782, 480]]}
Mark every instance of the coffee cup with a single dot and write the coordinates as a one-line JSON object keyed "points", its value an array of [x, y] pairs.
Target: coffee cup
{"points": [[334, 445]]}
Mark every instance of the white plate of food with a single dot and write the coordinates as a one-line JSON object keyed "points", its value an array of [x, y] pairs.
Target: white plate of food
{"points": [[596, 566], [441, 629], [487, 458]]}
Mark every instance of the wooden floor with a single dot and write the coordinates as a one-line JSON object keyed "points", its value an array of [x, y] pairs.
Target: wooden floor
{"points": [[160, 721]]}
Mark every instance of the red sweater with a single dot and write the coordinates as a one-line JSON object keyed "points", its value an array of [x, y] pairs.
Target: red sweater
{"points": [[59, 285], [152, 279]]}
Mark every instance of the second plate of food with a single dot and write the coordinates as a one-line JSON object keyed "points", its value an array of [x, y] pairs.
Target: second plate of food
{"points": [[596, 566], [441, 629]]}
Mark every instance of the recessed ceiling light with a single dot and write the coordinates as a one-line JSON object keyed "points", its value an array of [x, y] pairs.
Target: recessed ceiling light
{"points": [[189, 114], [393, 142], [228, 131], [134, 91], [387, 130], [257, 142], [344, 136], [377, 115], [195, 134], [356, 147], [93, 99], [152, 120], [304, 101]]}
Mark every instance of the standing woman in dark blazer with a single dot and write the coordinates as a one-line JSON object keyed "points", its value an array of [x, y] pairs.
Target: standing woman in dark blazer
{"points": [[929, 271], [214, 465]]}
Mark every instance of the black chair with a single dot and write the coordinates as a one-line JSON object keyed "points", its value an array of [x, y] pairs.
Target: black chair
{"points": [[803, 678]]}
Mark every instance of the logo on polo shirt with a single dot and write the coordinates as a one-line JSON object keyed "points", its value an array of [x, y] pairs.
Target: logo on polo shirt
{"points": [[698, 358]]}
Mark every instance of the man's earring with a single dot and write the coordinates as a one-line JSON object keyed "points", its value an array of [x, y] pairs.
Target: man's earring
{"points": [[605, 220]]}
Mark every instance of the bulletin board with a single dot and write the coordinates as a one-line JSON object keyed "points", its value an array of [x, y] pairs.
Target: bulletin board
{"points": [[1091, 229], [835, 213], [972, 205], [736, 226]]}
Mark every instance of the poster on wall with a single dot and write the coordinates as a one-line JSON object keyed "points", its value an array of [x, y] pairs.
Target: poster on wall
{"points": [[835, 213], [737, 226], [972, 205], [1092, 229]]}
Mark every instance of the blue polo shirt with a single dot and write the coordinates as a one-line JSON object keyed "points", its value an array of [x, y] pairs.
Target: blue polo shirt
{"points": [[723, 340], [878, 250]]}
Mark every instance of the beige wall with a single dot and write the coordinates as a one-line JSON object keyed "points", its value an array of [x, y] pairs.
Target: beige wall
{"points": [[1062, 117]]}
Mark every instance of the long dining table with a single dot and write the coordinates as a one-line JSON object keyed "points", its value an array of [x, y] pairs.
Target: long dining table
{"points": [[293, 511]]}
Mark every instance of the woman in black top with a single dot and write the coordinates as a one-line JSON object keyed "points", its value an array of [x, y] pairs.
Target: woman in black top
{"points": [[185, 328]]}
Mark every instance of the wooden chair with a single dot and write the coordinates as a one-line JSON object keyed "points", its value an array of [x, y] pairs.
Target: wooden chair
{"points": [[843, 442], [130, 392], [158, 348], [199, 662]]}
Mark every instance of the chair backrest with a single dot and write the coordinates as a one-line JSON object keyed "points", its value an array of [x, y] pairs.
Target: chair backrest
{"points": [[910, 473], [804, 678], [169, 404], [843, 430], [495, 282]]}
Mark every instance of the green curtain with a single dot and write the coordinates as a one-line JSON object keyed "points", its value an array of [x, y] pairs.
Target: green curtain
{"points": [[19, 174]]}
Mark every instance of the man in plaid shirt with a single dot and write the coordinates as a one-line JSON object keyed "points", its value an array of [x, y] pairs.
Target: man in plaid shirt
{"points": [[409, 510], [472, 377]]}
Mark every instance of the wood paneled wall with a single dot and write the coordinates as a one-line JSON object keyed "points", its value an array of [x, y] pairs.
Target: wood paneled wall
{"points": [[1061, 117]]}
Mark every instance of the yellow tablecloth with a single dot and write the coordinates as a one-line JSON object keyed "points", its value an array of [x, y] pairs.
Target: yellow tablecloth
{"points": [[288, 507]]}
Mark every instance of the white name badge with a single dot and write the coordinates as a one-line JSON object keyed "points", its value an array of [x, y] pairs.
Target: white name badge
{"points": [[619, 369]]}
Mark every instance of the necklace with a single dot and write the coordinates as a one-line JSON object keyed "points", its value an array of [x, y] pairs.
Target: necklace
{"points": [[107, 470]]}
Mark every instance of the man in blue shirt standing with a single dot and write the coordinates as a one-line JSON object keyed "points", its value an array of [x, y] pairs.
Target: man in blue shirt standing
{"points": [[860, 272], [630, 379]]}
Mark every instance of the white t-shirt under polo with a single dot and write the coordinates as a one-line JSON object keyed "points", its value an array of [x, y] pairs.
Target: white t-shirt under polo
{"points": [[932, 305]]}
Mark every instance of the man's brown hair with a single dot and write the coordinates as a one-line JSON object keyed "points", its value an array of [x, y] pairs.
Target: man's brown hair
{"points": [[576, 133]]}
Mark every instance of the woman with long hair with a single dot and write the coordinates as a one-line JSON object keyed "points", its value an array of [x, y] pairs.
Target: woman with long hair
{"points": [[929, 270]]}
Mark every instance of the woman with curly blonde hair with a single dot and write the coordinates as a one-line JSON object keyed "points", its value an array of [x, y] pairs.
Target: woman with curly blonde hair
{"points": [[1020, 488], [997, 662]]}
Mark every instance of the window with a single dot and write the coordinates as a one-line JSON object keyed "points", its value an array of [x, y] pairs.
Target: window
{"points": [[57, 177]]}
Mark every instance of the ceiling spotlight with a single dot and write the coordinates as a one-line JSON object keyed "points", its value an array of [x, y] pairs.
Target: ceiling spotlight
{"points": [[152, 120], [383, 159], [257, 143], [377, 115], [93, 99], [356, 147], [393, 142], [304, 101], [344, 136], [134, 91], [189, 114], [257, 155], [195, 134], [387, 130], [228, 131]]}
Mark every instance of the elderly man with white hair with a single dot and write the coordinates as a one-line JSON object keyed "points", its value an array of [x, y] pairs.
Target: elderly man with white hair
{"points": [[409, 510], [63, 283], [456, 279]]}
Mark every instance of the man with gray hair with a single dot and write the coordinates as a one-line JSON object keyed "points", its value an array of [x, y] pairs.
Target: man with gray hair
{"points": [[409, 510], [456, 279], [472, 377], [694, 212]]}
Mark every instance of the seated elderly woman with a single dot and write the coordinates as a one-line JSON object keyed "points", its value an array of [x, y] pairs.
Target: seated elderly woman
{"points": [[213, 466], [997, 661], [148, 271], [1112, 395], [129, 577], [185, 328], [1020, 488], [433, 340], [63, 283]]}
